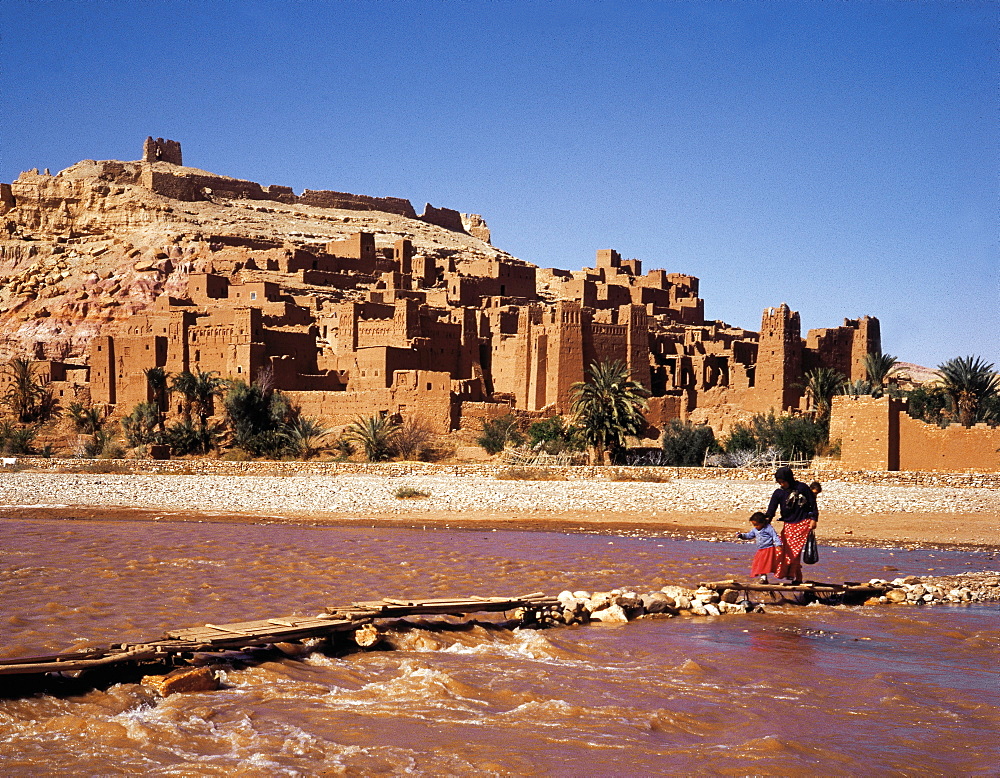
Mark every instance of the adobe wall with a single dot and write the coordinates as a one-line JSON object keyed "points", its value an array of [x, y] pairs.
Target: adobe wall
{"points": [[924, 446], [877, 434], [868, 431], [413, 393]]}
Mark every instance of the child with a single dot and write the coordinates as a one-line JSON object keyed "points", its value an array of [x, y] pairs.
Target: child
{"points": [[768, 555]]}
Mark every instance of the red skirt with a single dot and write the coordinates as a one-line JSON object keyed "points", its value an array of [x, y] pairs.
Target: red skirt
{"points": [[766, 560], [793, 536]]}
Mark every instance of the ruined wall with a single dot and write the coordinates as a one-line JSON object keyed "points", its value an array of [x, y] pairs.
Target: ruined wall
{"points": [[325, 198], [443, 217], [160, 150]]}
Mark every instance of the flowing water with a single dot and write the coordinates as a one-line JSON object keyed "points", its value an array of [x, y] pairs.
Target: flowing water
{"points": [[796, 690]]}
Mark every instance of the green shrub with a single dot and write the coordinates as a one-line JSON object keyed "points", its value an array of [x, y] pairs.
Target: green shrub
{"points": [[791, 435], [141, 427], [499, 433], [686, 444], [185, 437], [409, 493], [17, 440], [555, 436]]}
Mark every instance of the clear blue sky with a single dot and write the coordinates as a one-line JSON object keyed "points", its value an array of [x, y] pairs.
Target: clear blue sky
{"points": [[838, 156]]}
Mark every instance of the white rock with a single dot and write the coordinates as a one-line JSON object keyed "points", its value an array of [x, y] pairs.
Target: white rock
{"points": [[613, 614]]}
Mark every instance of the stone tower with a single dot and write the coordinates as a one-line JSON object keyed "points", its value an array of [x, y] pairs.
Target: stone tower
{"points": [[779, 361], [161, 150]]}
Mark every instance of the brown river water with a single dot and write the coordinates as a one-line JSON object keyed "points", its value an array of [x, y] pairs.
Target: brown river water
{"points": [[812, 690]]}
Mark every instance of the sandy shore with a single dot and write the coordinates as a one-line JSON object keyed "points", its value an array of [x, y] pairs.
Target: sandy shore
{"points": [[851, 514]]}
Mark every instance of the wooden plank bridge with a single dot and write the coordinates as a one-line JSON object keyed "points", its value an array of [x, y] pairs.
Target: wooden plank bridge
{"points": [[179, 645], [357, 623], [850, 592]]}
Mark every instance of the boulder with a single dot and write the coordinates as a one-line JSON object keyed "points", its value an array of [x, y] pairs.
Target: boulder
{"points": [[183, 679], [613, 614], [657, 602], [895, 595]]}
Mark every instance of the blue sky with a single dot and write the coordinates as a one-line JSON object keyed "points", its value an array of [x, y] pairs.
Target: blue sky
{"points": [[838, 156]]}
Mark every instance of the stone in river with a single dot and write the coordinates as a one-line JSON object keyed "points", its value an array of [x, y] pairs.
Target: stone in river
{"points": [[183, 679]]}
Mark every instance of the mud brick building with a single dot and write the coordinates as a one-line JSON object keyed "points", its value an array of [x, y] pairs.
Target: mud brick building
{"points": [[357, 305]]}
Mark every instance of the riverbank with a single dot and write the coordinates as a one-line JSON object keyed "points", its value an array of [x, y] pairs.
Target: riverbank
{"points": [[852, 513]]}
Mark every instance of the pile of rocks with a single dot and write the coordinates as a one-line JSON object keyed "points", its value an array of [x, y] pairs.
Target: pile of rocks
{"points": [[622, 605], [971, 587]]}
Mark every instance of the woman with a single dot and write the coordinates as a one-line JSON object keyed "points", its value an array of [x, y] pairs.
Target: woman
{"points": [[798, 509]]}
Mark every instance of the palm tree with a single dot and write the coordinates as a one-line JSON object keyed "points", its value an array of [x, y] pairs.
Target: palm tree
{"points": [[609, 407], [972, 386], [375, 434], [25, 395], [156, 381], [87, 420], [822, 383], [879, 367], [257, 417], [857, 388], [306, 436], [199, 390]]}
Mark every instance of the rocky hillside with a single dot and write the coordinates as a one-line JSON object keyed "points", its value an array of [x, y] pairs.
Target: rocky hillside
{"points": [[99, 241]]}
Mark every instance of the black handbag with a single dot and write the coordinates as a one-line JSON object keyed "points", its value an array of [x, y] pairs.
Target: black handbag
{"points": [[810, 554]]}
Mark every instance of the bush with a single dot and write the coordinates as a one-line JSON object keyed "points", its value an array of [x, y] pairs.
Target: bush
{"points": [[375, 434], [930, 404], [555, 436], [790, 435], [414, 438], [499, 433], [686, 444], [409, 493], [257, 418], [186, 438], [141, 427], [17, 440]]}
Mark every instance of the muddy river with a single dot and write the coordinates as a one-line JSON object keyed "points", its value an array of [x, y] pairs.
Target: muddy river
{"points": [[796, 690]]}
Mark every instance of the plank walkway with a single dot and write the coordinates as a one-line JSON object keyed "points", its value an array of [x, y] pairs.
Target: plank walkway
{"points": [[848, 592], [178, 645]]}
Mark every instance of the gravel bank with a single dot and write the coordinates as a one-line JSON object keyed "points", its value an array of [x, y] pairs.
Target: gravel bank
{"points": [[368, 494]]}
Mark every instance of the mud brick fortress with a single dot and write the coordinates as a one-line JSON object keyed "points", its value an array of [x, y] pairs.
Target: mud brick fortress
{"points": [[357, 305]]}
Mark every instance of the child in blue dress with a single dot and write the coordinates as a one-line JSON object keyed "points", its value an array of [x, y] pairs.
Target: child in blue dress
{"points": [[768, 556]]}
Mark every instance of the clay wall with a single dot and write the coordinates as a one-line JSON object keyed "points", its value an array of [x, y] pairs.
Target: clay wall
{"points": [[868, 431], [924, 446], [877, 434], [423, 393], [660, 411]]}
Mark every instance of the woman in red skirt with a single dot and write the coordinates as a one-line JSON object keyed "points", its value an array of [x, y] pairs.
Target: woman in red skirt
{"points": [[797, 505]]}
